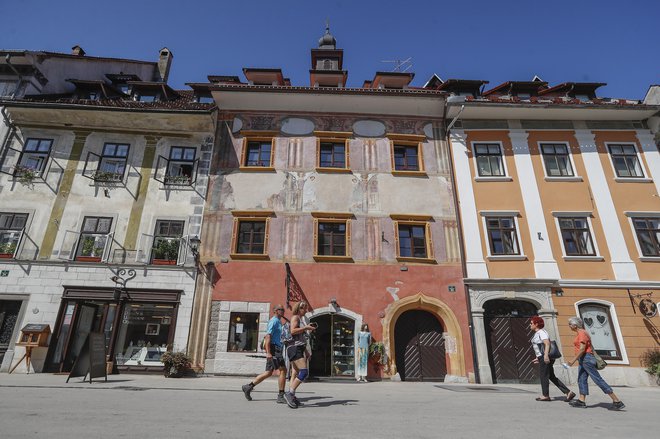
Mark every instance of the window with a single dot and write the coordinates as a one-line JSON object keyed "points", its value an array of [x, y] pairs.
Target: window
{"points": [[648, 235], [332, 154], [144, 333], [11, 231], [598, 323], [34, 157], [95, 237], [243, 332], [7, 88], [489, 160], [112, 163], [502, 236], [181, 166], [147, 98], [332, 237], [413, 238], [406, 157], [625, 161], [576, 237], [167, 242], [205, 99], [250, 236], [258, 153], [557, 160]]}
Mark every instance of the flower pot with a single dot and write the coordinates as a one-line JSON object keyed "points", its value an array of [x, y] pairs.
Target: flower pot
{"points": [[6, 255], [163, 262], [88, 259]]}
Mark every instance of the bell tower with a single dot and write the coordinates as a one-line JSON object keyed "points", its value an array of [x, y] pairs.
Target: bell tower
{"points": [[327, 63]]}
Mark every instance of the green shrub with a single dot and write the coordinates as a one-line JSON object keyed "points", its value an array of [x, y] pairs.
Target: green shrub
{"points": [[651, 361]]}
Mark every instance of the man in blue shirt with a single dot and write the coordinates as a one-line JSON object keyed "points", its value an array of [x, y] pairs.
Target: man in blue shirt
{"points": [[274, 358]]}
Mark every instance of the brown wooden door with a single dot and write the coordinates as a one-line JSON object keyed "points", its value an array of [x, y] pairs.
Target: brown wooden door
{"points": [[510, 350], [420, 347], [9, 310]]}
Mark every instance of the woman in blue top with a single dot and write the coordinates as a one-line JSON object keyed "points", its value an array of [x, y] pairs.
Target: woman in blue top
{"points": [[364, 340]]}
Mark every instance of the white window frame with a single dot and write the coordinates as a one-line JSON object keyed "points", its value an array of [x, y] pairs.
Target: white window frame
{"points": [[589, 216], [633, 215], [643, 179], [502, 213], [615, 325], [574, 177], [477, 177]]}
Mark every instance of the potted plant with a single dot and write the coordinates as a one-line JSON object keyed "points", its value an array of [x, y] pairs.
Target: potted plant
{"points": [[177, 179], [651, 360], [106, 176], [166, 252], [89, 252], [25, 175], [377, 351], [7, 250], [176, 364]]}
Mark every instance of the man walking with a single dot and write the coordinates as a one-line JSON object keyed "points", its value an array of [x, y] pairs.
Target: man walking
{"points": [[274, 358]]}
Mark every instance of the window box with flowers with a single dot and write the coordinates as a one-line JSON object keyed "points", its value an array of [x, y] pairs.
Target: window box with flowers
{"points": [[25, 175], [165, 252], [7, 250]]}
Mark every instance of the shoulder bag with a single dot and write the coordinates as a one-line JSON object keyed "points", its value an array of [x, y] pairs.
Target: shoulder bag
{"points": [[600, 363], [554, 350]]}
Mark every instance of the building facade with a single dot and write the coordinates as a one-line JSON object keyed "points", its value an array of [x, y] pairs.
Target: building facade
{"points": [[101, 200]]}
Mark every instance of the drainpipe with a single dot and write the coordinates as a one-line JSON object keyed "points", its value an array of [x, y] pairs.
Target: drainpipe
{"points": [[11, 129], [475, 365], [20, 77]]}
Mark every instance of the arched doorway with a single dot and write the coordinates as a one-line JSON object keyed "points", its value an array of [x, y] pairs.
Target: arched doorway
{"points": [[420, 347], [333, 346], [508, 338]]}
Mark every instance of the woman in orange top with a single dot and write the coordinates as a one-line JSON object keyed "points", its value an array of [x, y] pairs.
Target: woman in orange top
{"points": [[587, 366]]}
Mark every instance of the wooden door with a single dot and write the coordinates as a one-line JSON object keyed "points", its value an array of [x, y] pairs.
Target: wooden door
{"points": [[419, 347], [510, 350]]}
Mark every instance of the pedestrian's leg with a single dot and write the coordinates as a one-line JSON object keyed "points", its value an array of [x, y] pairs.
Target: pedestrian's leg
{"points": [[556, 381], [543, 375]]}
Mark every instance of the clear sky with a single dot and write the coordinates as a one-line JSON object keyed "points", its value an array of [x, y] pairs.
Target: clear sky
{"points": [[616, 42]]}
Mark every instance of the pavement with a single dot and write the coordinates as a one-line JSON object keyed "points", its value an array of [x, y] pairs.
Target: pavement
{"points": [[150, 406]]}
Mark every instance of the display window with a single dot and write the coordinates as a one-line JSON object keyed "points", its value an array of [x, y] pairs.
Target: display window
{"points": [[333, 346], [144, 333], [243, 332]]}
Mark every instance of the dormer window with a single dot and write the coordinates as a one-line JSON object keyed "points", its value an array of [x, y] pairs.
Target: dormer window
{"points": [[205, 99], [146, 98], [524, 95], [124, 88], [583, 98], [93, 96]]}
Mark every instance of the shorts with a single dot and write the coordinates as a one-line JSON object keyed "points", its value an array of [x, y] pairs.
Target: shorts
{"points": [[277, 362], [295, 352]]}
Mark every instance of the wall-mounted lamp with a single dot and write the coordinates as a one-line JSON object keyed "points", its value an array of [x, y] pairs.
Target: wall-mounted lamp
{"points": [[334, 307], [194, 246]]}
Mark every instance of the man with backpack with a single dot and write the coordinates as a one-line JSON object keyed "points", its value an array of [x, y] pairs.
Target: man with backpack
{"points": [[274, 359]]}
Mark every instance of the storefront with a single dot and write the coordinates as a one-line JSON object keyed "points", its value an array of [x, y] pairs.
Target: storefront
{"points": [[138, 326], [333, 346]]}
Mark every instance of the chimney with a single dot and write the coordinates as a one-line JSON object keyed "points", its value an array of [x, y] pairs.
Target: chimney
{"points": [[164, 63], [77, 51]]}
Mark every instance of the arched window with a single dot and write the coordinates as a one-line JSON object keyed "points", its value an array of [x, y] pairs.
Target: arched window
{"points": [[597, 318]]}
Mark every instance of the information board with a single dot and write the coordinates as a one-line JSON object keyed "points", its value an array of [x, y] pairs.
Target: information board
{"points": [[91, 360]]}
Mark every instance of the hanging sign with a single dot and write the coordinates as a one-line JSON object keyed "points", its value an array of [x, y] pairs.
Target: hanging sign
{"points": [[648, 308]]}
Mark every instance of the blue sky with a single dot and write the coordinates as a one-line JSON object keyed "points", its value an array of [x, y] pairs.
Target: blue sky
{"points": [[580, 40]]}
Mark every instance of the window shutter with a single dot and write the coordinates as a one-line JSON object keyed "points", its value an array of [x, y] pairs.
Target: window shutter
{"points": [[143, 253]]}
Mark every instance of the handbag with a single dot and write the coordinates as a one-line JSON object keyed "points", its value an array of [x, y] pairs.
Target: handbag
{"points": [[554, 350], [600, 363]]}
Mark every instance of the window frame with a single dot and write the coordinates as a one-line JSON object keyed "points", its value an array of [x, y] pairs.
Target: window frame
{"points": [[333, 218], [414, 220], [46, 157], [255, 330], [619, 340], [171, 237], [320, 140], [18, 240], [400, 141], [250, 216], [105, 253], [632, 216], [244, 153], [175, 180], [100, 175], [571, 162], [514, 215], [505, 176], [639, 178], [577, 215]]}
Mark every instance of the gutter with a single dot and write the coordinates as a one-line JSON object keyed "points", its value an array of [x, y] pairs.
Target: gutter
{"points": [[25, 104]]}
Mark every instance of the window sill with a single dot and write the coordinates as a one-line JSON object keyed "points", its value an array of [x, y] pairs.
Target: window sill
{"points": [[257, 168], [507, 258], [649, 258], [409, 174], [333, 170], [583, 258], [502, 178], [563, 179], [248, 256], [633, 180], [417, 260], [323, 258]]}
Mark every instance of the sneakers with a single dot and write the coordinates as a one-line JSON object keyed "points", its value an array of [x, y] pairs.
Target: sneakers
{"points": [[578, 403], [570, 396], [296, 401], [280, 398], [618, 405], [290, 400], [247, 388]]}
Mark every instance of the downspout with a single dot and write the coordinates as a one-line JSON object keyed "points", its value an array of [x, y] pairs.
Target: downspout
{"points": [[20, 77], [475, 365], [11, 129]]}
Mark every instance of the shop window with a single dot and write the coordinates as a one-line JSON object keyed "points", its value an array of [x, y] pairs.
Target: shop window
{"points": [[95, 239], [167, 242], [648, 235], [243, 332], [332, 154], [250, 235], [502, 236], [145, 332], [557, 160], [604, 335], [626, 161], [490, 162], [332, 237], [12, 227], [576, 237], [406, 157], [413, 239], [181, 166], [258, 154], [34, 157]]}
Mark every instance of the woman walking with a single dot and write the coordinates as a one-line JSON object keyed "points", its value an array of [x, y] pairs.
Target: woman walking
{"points": [[587, 366], [295, 351], [364, 339], [546, 364]]}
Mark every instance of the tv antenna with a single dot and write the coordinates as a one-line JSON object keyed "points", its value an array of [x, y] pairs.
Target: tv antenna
{"points": [[401, 66]]}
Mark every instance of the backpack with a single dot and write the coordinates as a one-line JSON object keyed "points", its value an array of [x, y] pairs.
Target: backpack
{"points": [[285, 337]]}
